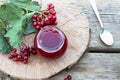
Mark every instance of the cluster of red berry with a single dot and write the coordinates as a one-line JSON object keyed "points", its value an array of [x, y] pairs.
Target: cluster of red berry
{"points": [[69, 77], [24, 54], [46, 17]]}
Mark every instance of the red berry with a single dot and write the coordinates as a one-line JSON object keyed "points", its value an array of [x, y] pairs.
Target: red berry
{"points": [[51, 7], [26, 58], [19, 57], [51, 10], [27, 48], [37, 27], [15, 59], [42, 23], [50, 4], [54, 18], [25, 61], [34, 20], [66, 79], [14, 50], [47, 22], [10, 56], [34, 23], [46, 19], [69, 77], [39, 23], [25, 54], [55, 23], [35, 16], [22, 50], [46, 13], [53, 13], [15, 54], [50, 17]]}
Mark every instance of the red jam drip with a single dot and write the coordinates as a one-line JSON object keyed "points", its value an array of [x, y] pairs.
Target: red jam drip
{"points": [[50, 42]]}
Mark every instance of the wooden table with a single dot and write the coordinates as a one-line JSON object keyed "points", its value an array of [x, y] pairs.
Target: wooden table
{"points": [[100, 62]]}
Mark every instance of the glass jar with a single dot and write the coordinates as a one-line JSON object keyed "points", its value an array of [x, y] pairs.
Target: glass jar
{"points": [[50, 42]]}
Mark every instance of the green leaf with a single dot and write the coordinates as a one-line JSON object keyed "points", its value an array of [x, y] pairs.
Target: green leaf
{"points": [[18, 13], [26, 4], [29, 29], [4, 46], [15, 34], [10, 13], [2, 26]]}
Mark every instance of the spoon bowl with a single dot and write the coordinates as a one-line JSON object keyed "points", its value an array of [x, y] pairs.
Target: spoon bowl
{"points": [[106, 37]]}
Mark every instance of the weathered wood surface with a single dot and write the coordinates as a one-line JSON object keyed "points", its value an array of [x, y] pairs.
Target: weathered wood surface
{"points": [[110, 13], [96, 66]]}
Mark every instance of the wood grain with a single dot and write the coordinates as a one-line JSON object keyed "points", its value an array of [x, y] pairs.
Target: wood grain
{"points": [[94, 66], [110, 14], [74, 24]]}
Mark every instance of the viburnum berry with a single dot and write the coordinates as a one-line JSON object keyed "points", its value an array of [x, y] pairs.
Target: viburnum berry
{"points": [[34, 20], [14, 50], [15, 59], [15, 54], [39, 23], [38, 27], [25, 61], [23, 56], [46, 12], [69, 77], [34, 23], [42, 23], [50, 4], [22, 50], [47, 21], [10, 56], [46, 17], [66, 79], [19, 57], [55, 23], [35, 16], [53, 13], [54, 18]]}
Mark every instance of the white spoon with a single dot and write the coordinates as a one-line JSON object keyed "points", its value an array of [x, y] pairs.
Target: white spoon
{"points": [[105, 35]]}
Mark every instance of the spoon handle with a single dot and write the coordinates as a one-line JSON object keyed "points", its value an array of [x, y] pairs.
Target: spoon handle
{"points": [[96, 12]]}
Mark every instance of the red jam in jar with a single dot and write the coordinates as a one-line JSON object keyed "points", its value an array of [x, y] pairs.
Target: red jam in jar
{"points": [[50, 42]]}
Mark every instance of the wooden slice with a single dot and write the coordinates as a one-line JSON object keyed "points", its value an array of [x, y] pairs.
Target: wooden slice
{"points": [[74, 24]]}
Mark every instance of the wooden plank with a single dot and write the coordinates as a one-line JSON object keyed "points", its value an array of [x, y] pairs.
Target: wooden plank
{"points": [[110, 14], [94, 66]]}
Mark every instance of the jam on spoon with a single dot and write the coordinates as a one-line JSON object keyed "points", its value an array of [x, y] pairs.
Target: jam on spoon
{"points": [[50, 42]]}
